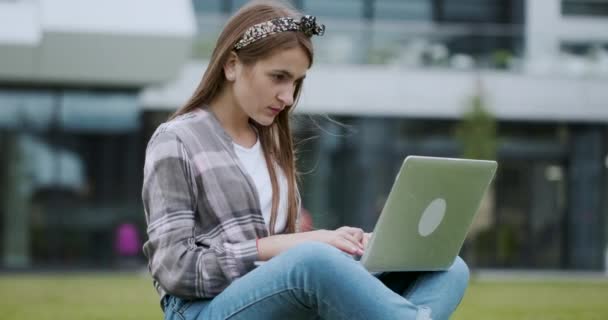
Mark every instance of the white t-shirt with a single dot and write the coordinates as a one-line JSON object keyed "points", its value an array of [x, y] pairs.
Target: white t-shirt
{"points": [[255, 164]]}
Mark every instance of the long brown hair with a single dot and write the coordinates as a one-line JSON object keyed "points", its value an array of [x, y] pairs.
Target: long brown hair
{"points": [[276, 139]]}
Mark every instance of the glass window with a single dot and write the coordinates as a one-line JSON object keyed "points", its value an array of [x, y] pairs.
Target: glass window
{"points": [[403, 10], [82, 186], [236, 4], [76, 156], [26, 109], [475, 11], [335, 8], [99, 111], [598, 8], [73, 110], [207, 6]]}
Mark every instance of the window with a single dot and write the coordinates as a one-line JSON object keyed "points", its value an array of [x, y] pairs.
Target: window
{"points": [[77, 157], [403, 10], [597, 8], [488, 11], [207, 6], [335, 8], [236, 4]]}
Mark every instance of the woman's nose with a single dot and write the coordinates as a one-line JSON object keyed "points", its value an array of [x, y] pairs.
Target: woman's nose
{"points": [[286, 96]]}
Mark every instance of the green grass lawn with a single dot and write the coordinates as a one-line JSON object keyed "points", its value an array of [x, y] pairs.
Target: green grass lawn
{"points": [[130, 296], [554, 300]]}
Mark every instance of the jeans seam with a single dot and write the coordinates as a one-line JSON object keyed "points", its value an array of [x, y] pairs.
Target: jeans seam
{"points": [[414, 287], [273, 294], [255, 301], [176, 312], [181, 316], [329, 306], [184, 307], [179, 311]]}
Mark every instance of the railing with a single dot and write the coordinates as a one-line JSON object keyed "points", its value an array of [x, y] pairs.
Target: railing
{"points": [[430, 45]]}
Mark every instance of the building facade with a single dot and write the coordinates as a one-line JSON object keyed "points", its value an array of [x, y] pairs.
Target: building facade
{"points": [[396, 78]]}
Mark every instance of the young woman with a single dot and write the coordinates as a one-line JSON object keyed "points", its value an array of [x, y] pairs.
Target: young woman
{"points": [[220, 193]]}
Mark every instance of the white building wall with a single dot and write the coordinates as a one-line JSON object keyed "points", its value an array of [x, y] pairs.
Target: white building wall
{"points": [[110, 42], [546, 29], [380, 91]]}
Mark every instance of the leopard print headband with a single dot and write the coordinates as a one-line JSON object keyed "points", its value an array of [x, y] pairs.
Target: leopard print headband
{"points": [[306, 24]]}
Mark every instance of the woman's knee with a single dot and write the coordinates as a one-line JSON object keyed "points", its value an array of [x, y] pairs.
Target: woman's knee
{"points": [[315, 254], [460, 271]]}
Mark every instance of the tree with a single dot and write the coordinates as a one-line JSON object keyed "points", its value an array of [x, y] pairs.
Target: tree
{"points": [[477, 134]]}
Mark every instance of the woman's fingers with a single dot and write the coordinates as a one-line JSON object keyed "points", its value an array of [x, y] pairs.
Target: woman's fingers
{"points": [[357, 233], [366, 239], [354, 241], [353, 248], [347, 243]]}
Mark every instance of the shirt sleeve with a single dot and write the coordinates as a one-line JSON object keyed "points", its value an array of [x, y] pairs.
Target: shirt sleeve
{"points": [[181, 266]]}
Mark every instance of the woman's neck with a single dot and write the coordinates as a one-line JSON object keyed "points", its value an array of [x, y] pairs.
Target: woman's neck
{"points": [[233, 119]]}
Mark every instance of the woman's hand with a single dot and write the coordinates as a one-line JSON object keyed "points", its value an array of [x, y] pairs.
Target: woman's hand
{"points": [[348, 239], [366, 238]]}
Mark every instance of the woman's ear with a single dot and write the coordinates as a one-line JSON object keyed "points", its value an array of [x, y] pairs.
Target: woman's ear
{"points": [[230, 66]]}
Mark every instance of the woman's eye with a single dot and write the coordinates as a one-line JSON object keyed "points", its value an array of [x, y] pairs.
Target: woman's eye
{"points": [[278, 77]]}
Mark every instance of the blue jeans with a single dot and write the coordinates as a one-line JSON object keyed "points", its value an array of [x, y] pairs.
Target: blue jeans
{"points": [[317, 281]]}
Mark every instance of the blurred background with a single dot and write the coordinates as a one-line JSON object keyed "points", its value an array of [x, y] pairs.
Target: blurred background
{"points": [[83, 84]]}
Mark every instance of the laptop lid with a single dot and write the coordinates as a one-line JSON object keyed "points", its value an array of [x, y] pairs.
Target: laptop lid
{"points": [[427, 214]]}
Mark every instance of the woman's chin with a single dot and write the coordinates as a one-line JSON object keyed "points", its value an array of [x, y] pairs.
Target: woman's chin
{"points": [[264, 120]]}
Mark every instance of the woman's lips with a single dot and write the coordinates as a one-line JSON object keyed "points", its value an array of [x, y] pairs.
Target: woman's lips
{"points": [[275, 110]]}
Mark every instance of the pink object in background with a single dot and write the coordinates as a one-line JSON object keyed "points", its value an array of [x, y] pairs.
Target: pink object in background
{"points": [[127, 240], [306, 223]]}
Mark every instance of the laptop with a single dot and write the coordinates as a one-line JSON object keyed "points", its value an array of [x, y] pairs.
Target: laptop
{"points": [[427, 214]]}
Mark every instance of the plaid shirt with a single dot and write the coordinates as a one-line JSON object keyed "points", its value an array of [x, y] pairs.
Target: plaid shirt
{"points": [[202, 209]]}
